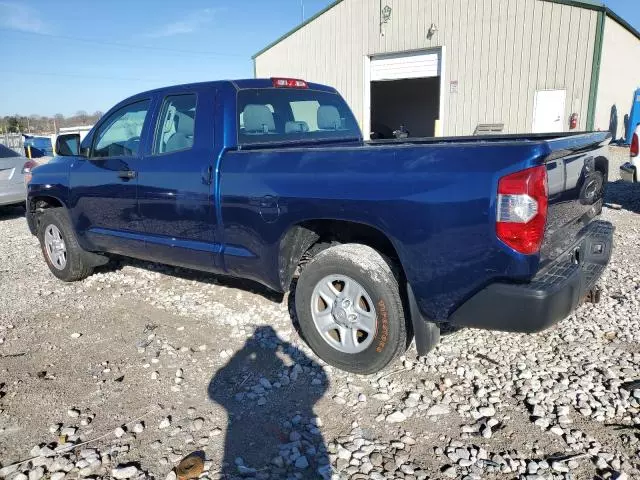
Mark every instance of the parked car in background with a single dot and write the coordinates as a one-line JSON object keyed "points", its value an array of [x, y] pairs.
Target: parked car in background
{"points": [[43, 146], [81, 130], [629, 172], [13, 169], [39, 146], [270, 180]]}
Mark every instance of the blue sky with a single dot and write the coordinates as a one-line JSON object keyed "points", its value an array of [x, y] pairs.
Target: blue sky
{"points": [[68, 55]]}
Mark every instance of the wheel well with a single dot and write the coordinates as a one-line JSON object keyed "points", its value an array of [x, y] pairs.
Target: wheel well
{"points": [[602, 165], [38, 204], [44, 202], [307, 238]]}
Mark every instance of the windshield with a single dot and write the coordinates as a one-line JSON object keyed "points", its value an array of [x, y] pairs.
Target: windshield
{"points": [[276, 115]]}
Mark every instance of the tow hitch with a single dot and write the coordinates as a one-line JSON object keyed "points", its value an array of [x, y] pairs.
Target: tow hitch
{"points": [[593, 295]]}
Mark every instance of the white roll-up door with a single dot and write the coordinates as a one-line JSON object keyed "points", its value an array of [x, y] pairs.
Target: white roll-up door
{"points": [[405, 65]]}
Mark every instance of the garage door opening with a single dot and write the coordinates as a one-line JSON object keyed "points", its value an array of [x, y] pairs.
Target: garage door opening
{"points": [[410, 105], [404, 91]]}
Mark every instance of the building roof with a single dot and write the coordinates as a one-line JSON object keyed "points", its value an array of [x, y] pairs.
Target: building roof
{"points": [[294, 30], [621, 21], [590, 4]]}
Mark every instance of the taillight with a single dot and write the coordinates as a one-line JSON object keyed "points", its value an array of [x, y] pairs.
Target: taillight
{"points": [[289, 83], [522, 209], [635, 145], [26, 170]]}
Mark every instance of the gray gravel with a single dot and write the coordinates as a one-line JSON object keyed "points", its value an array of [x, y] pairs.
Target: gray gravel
{"points": [[126, 361]]}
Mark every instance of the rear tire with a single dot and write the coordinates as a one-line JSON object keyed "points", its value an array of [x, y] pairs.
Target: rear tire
{"points": [[599, 189], [350, 310], [64, 257]]}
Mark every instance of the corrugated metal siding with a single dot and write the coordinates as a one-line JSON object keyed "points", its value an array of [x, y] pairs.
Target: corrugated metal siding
{"points": [[499, 51], [619, 75]]}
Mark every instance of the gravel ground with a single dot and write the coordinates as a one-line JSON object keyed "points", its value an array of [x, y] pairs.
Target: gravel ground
{"points": [[148, 364]]}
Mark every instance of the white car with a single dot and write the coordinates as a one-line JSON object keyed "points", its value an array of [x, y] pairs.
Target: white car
{"points": [[13, 168], [629, 171]]}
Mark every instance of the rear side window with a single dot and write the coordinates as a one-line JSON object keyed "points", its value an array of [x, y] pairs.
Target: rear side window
{"points": [[119, 134], [273, 115], [176, 124]]}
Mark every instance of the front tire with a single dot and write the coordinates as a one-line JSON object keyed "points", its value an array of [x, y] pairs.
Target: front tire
{"points": [[350, 310], [64, 257]]}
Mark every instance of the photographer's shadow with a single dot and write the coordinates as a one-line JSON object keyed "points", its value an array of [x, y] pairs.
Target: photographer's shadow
{"points": [[269, 389]]}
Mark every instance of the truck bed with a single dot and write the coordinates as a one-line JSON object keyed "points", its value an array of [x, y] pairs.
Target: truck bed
{"points": [[434, 198], [530, 137]]}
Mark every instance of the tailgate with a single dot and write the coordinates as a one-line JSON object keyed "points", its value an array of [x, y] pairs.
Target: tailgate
{"points": [[577, 169]]}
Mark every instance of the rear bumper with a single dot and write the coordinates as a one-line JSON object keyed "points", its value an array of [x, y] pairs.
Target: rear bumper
{"points": [[629, 172], [551, 296]]}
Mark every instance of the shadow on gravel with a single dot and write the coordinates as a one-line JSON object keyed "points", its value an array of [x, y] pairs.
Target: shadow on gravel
{"points": [[627, 195], [11, 212], [118, 263], [269, 389]]}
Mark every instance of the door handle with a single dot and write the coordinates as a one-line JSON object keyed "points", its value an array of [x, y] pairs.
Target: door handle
{"points": [[127, 174], [207, 175]]}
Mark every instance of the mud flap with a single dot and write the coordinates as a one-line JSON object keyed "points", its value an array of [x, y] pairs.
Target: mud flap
{"points": [[426, 333]]}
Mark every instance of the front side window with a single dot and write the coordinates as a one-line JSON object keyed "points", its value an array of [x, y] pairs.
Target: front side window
{"points": [[176, 124], [119, 135]]}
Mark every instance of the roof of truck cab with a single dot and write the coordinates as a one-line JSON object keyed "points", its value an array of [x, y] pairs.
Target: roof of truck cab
{"points": [[268, 83], [238, 84]]}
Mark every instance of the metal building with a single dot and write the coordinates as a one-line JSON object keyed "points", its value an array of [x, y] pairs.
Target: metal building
{"points": [[459, 67]]}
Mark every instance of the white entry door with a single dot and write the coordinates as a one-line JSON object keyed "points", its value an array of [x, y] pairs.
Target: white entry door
{"points": [[548, 111]]}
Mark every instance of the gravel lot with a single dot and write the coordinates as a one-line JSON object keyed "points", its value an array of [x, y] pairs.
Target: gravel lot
{"points": [[149, 364]]}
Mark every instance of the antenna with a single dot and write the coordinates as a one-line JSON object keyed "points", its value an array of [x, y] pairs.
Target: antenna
{"points": [[302, 9]]}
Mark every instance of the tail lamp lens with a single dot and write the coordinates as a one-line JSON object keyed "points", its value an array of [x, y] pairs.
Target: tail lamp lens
{"points": [[28, 166], [26, 170], [521, 214]]}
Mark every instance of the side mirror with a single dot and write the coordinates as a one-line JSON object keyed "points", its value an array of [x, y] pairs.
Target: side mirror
{"points": [[68, 145]]}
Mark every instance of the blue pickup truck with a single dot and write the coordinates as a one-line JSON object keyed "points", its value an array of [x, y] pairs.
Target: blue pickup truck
{"points": [[380, 242]]}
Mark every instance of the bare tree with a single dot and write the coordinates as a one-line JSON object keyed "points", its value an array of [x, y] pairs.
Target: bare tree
{"points": [[82, 116], [42, 125]]}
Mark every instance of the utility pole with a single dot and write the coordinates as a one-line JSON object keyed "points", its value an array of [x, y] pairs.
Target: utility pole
{"points": [[302, 9]]}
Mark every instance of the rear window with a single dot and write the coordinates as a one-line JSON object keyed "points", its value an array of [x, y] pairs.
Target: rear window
{"points": [[6, 152], [39, 142], [276, 115]]}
